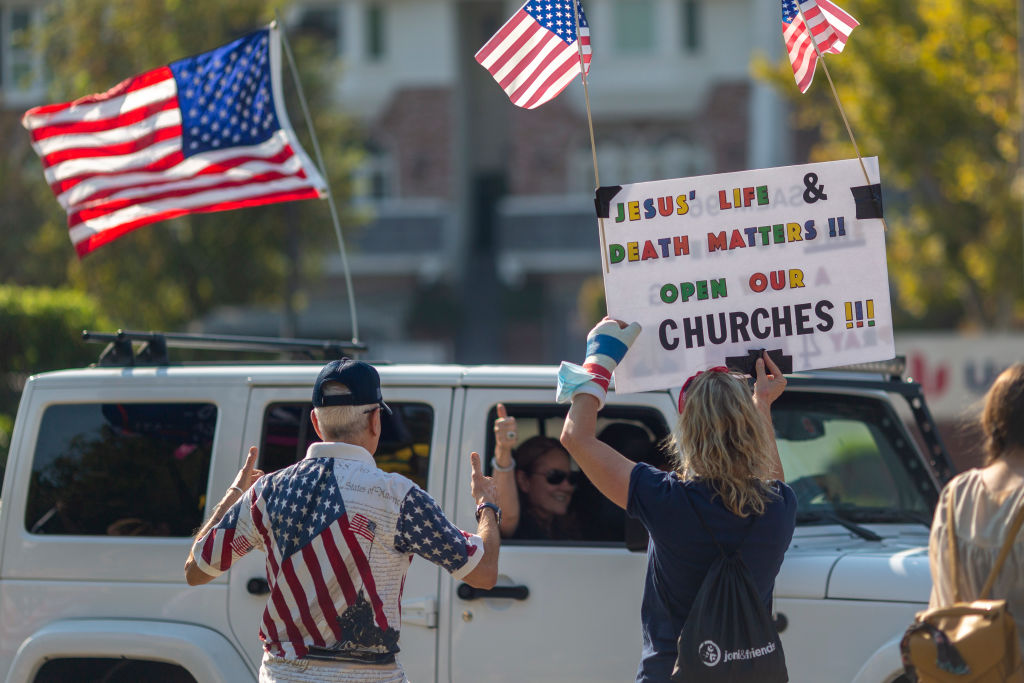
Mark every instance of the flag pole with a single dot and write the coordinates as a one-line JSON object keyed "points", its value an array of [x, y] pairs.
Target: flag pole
{"points": [[323, 171], [835, 96], [590, 126]]}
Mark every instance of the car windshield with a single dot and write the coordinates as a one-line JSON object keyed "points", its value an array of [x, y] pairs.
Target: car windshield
{"points": [[848, 457]]}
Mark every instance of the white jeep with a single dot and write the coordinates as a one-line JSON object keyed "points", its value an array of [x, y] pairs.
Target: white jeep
{"points": [[111, 468]]}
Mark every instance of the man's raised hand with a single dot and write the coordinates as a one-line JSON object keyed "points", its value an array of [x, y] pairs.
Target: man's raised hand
{"points": [[248, 475], [482, 487]]}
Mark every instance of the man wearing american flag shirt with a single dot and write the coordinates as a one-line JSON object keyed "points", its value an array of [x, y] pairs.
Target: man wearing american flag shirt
{"points": [[339, 534]]}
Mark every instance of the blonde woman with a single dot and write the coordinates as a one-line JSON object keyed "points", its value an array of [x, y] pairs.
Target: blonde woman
{"points": [[728, 472]]}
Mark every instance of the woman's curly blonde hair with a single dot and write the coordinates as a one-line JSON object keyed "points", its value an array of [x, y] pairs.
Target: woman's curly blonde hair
{"points": [[721, 437]]}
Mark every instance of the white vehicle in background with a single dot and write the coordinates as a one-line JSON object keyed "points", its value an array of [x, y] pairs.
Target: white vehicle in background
{"points": [[112, 467]]}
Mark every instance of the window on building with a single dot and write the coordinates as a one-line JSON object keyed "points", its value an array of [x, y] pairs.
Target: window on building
{"points": [[637, 160], [374, 180], [678, 159], [634, 27], [404, 443], [21, 61], [590, 519], [322, 23], [376, 32], [690, 30], [121, 469]]}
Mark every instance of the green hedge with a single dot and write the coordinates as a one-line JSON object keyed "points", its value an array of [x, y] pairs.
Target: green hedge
{"points": [[40, 329]]}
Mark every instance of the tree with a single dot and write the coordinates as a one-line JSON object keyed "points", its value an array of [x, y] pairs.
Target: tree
{"points": [[931, 88], [166, 274], [39, 331]]}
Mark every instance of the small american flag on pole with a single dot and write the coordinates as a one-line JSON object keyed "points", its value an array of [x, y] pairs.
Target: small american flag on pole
{"points": [[829, 24], [206, 133], [534, 56]]}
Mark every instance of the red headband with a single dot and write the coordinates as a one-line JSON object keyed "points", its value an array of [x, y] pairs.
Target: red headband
{"points": [[686, 384]]}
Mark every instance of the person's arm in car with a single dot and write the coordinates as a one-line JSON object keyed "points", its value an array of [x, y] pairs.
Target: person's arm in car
{"points": [[504, 470]]}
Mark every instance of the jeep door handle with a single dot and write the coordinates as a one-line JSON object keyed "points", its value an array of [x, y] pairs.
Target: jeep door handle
{"points": [[257, 586], [467, 592]]}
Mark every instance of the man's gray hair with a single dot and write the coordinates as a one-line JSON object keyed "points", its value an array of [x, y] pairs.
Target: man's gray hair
{"points": [[342, 423]]}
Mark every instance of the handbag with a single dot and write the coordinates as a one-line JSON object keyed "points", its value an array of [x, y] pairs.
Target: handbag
{"points": [[967, 642], [729, 636]]}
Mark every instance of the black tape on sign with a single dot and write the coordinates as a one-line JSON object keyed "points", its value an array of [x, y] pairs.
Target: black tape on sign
{"points": [[745, 364], [869, 200], [603, 199]]}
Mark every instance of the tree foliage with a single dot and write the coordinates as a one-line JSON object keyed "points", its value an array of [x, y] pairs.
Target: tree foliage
{"points": [[40, 329], [931, 88], [166, 274]]}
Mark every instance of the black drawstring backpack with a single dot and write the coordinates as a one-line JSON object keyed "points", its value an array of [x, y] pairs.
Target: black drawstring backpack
{"points": [[729, 635]]}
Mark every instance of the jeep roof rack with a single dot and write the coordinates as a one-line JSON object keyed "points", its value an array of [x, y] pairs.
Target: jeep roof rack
{"points": [[893, 368], [119, 351]]}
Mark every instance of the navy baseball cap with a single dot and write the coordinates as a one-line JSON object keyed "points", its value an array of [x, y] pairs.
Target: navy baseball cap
{"points": [[361, 379]]}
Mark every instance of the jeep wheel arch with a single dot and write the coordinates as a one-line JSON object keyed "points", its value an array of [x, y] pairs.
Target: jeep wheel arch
{"points": [[884, 666], [201, 651], [111, 670]]}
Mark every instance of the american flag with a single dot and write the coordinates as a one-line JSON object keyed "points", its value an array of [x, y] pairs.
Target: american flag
{"points": [[317, 568], [423, 529], [206, 133], [312, 537], [830, 25], [534, 56], [363, 526]]}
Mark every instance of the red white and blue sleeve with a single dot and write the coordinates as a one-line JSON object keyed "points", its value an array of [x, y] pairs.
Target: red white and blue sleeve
{"points": [[423, 529], [231, 538], [607, 344]]}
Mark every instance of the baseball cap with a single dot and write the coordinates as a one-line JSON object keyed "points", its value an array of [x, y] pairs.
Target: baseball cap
{"points": [[361, 379]]}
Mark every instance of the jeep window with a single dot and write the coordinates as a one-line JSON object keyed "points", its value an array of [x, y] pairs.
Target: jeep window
{"points": [[636, 432], [850, 457], [404, 442], [121, 469]]}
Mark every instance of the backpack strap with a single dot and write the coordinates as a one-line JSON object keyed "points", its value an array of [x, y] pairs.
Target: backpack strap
{"points": [[954, 561], [1011, 536]]}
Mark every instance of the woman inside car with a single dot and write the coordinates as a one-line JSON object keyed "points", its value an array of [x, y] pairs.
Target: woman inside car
{"points": [[535, 486]]}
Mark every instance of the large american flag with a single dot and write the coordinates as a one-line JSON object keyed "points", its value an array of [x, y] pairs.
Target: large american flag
{"points": [[829, 24], [534, 56], [319, 564], [206, 133]]}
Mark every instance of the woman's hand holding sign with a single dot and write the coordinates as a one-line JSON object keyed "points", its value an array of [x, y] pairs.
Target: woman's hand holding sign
{"points": [[768, 386]]}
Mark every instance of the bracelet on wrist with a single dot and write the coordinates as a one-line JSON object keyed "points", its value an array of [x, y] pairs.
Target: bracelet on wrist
{"points": [[236, 488], [489, 506], [507, 468]]}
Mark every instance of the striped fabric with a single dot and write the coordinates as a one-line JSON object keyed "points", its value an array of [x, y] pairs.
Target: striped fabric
{"points": [[206, 133], [607, 345], [339, 535], [534, 56], [829, 24]]}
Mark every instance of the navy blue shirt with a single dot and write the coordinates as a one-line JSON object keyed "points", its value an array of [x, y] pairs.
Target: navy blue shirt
{"points": [[680, 552]]}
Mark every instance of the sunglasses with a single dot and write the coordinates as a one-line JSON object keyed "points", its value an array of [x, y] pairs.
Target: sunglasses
{"points": [[556, 477]]}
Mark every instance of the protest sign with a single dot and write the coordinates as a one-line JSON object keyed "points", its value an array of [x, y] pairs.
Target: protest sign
{"points": [[715, 267]]}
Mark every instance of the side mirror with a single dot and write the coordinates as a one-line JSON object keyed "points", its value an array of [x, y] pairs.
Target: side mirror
{"points": [[793, 426], [636, 536]]}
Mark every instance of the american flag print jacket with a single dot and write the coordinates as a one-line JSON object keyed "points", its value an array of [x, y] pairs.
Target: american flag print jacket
{"points": [[339, 534]]}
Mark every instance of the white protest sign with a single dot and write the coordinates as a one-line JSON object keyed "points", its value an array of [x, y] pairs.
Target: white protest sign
{"points": [[716, 266]]}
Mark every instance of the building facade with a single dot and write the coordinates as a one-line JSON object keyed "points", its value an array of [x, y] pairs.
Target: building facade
{"points": [[481, 243], [482, 232]]}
